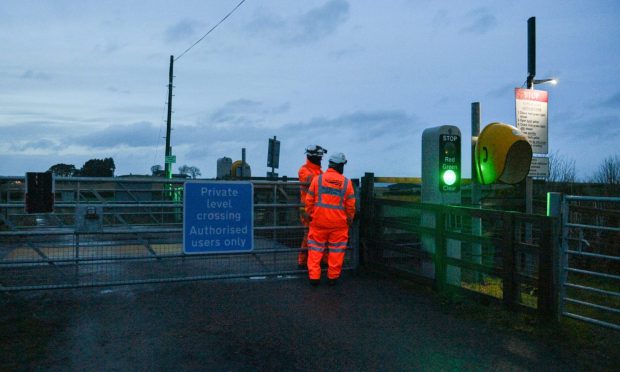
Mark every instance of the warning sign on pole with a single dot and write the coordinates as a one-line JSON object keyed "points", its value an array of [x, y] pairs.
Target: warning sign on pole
{"points": [[531, 117]]}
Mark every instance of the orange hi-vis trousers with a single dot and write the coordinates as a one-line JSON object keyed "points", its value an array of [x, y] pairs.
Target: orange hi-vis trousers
{"points": [[302, 257], [330, 240]]}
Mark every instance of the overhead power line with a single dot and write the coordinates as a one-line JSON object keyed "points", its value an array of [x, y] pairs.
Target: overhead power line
{"points": [[212, 28]]}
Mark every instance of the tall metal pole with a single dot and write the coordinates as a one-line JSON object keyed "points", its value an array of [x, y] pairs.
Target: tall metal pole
{"points": [[531, 73], [167, 159], [531, 52]]}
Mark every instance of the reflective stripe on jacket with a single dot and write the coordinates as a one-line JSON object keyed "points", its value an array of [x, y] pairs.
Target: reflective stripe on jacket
{"points": [[306, 173], [331, 200]]}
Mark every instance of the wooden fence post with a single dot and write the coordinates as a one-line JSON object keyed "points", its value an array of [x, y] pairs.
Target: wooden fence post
{"points": [[440, 250], [547, 270], [510, 292], [367, 218]]}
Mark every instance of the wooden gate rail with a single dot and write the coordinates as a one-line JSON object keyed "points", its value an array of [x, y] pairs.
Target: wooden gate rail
{"points": [[382, 231]]}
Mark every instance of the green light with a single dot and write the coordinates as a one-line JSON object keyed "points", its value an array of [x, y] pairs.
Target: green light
{"points": [[449, 177]]}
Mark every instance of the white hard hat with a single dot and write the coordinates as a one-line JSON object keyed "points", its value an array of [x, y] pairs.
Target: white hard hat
{"points": [[338, 158], [315, 150]]}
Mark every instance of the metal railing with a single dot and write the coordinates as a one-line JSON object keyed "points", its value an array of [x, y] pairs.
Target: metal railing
{"points": [[139, 236], [590, 256]]}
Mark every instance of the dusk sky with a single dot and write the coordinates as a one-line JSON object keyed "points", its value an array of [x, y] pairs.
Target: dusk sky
{"points": [[88, 79]]}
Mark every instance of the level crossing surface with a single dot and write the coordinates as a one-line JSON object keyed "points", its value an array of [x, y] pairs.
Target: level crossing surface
{"points": [[365, 323]]}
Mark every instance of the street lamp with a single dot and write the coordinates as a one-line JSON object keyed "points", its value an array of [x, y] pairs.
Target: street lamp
{"points": [[542, 81]]}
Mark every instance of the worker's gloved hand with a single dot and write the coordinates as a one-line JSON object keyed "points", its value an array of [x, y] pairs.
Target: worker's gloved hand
{"points": [[305, 217]]}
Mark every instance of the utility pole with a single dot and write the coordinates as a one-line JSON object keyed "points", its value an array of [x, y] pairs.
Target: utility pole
{"points": [[531, 52], [168, 156], [531, 74]]}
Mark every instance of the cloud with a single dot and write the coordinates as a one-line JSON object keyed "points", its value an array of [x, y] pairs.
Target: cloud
{"points": [[362, 125], [36, 146], [182, 30], [595, 129], [113, 89], [35, 75], [244, 111], [612, 102], [322, 21], [232, 112], [314, 25], [133, 135], [347, 51], [365, 135], [109, 47], [480, 21], [26, 129], [506, 90]]}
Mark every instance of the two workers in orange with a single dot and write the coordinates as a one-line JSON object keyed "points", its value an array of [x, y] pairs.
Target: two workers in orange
{"points": [[330, 204], [306, 173]]}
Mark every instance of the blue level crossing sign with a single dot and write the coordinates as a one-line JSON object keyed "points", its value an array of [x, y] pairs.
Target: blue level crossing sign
{"points": [[218, 217]]}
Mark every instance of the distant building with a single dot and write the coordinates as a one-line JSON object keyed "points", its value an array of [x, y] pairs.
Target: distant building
{"points": [[224, 166]]}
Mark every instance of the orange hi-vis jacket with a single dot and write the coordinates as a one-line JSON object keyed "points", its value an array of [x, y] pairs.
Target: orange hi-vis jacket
{"points": [[306, 173], [331, 200]]}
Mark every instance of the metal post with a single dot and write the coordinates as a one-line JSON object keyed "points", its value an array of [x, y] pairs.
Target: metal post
{"points": [[554, 209], [476, 223], [475, 132], [272, 155], [531, 52], [167, 164], [529, 206], [242, 162], [531, 73], [440, 250]]}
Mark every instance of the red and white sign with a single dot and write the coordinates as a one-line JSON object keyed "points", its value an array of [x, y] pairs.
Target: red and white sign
{"points": [[531, 117]]}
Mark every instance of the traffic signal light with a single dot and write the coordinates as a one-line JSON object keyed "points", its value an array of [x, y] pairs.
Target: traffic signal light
{"points": [[441, 165], [502, 154], [39, 196], [449, 162]]}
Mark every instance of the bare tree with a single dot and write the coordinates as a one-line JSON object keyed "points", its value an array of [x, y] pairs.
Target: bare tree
{"points": [[561, 170], [608, 173]]}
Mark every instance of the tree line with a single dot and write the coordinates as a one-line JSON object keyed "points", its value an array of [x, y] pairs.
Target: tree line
{"points": [[106, 167], [92, 168], [562, 171]]}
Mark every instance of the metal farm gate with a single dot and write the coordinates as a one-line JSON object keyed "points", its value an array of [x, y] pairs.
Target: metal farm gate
{"points": [[590, 255], [489, 255], [115, 231]]}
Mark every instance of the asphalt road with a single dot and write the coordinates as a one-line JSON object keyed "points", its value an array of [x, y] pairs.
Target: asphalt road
{"points": [[366, 323]]}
